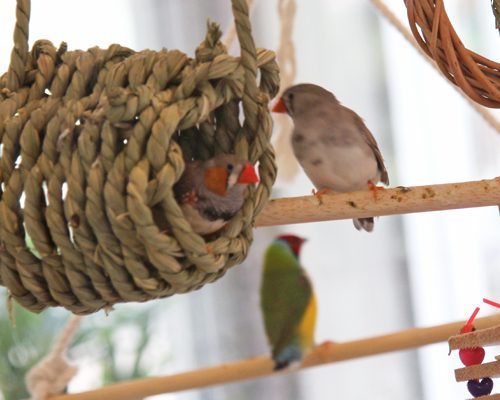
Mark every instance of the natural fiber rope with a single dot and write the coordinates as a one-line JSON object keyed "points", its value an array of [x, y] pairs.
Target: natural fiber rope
{"points": [[94, 141], [476, 75], [389, 15], [495, 6], [287, 164], [52, 374], [230, 35]]}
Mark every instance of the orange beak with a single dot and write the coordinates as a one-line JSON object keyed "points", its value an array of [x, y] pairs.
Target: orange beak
{"points": [[279, 107], [248, 175]]}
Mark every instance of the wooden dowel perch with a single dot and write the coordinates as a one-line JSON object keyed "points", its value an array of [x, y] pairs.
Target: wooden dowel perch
{"points": [[476, 338], [490, 397], [263, 366], [490, 369], [400, 200]]}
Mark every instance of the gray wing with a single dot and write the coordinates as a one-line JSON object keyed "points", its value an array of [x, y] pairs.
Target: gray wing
{"points": [[187, 181], [368, 137]]}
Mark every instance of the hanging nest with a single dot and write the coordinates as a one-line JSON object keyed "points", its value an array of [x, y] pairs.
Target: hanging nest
{"points": [[476, 75], [92, 141]]}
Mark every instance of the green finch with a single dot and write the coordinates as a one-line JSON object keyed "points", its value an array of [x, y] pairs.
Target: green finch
{"points": [[287, 301]]}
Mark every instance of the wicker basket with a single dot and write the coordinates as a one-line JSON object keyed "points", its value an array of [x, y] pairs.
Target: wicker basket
{"points": [[92, 141], [477, 76]]}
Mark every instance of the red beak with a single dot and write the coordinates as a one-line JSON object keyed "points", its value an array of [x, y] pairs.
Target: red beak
{"points": [[279, 107], [248, 175]]}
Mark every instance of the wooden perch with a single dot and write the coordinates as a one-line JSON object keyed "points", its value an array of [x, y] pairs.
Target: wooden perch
{"points": [[483, 337], [491, 369], [263, 366], [400, 200], [489, 397]]}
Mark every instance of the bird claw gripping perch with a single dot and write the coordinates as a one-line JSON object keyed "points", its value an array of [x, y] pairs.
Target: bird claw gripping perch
{"points": [[374, 189], [319, 194]]}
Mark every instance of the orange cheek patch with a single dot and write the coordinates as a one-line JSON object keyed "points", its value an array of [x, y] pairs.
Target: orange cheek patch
{"points": [[216, 180]]}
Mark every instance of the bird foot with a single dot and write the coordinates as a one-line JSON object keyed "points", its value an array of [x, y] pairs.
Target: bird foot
{"points": [[403, 189], [374, 189], [324, 349], [319, 194], [210, 249], [326, 345], [190, 197]]}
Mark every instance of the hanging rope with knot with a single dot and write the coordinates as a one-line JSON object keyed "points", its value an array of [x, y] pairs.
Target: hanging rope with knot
{"points": [[53, 373], [93, 141]]}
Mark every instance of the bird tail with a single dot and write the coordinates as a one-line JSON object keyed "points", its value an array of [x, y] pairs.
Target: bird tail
{"points": [[289, 355], [364, 224]]}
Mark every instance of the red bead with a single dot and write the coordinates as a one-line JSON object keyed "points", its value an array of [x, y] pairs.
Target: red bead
{"points": [[472, 356]]}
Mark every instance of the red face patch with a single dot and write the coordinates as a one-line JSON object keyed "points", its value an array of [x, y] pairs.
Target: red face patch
{"points": [[295, 242]]}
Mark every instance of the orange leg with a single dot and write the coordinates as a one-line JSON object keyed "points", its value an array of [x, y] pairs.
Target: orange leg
{"points": [[210, 249], [326, 345], [374, 189], [190, 197], [324, 349], [319, 193]]}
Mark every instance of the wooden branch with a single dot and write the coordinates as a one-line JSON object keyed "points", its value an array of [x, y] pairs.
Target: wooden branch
{"points": [[483, 337], [263, 366], [398, 200], [489, 397], [479, 371]]}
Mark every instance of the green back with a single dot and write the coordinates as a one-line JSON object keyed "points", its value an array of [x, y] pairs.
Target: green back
{"points": [[285, 295]]}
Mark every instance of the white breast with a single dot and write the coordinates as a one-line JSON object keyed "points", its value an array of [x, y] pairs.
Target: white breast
{"points": [[339, 168]]}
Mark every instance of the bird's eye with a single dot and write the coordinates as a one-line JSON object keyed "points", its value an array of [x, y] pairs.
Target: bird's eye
{"points": [[230, 167]]}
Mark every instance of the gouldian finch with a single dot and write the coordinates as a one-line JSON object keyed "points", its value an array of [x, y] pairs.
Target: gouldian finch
{"points": [[287, 301], [332, 144], [211, 192]]}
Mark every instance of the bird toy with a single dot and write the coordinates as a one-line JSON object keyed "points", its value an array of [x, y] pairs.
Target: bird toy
{"points": [[470, 343]]}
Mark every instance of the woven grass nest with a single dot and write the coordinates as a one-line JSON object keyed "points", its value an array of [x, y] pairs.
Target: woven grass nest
{"points": [[92, 141], [476, 75]]}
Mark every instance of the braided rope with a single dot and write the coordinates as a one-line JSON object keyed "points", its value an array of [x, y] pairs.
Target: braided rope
{"points": [[476, 75], [495, 8], [92, 144], [287, 163], [51, 375], [230, 34]]}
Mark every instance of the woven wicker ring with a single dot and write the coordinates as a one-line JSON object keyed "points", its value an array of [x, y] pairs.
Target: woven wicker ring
{"points": [[92, 141], [476, 75]]}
